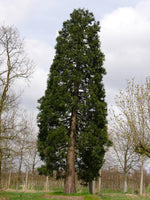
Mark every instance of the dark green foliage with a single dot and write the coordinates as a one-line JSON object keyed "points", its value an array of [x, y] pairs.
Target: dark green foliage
{"points": [[75, 82], [43, 170]]}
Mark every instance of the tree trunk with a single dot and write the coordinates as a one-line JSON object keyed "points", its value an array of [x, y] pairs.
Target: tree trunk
{"points": [[47, 184], [99, 181], [125, 182], [27, 175], [92, 187], [9, 179], [26, 184], [19, 171], [33, 168], [141, 178], [69, 184]]}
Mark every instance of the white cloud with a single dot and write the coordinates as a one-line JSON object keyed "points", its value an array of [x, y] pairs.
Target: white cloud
{"points": [[126, 44], [14, 11], [40, 52], [35, 90], [42, 55]]}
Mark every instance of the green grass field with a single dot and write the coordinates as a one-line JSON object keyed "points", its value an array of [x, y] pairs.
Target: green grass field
{"points": [[61, 196], [117, 196]]}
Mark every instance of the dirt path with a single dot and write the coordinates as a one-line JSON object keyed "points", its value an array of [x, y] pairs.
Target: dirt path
{"points": [[47, 196], [63, 197]]}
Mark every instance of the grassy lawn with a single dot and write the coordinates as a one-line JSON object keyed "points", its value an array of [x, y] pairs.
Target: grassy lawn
{"points": [[44, 196], [21, 196], [121, 196]]}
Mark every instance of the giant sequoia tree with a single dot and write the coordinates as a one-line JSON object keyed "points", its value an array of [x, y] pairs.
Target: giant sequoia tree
{"points": [[72, 117]]}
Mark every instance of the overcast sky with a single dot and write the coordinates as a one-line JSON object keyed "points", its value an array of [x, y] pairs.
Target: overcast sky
{"points": [[125, 38]]}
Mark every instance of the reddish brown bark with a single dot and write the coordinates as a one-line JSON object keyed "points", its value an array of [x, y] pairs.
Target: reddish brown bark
{"points": [[69, 186]]}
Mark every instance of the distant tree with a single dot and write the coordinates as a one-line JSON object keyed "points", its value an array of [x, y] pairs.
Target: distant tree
{"points": [[72, 117], [133, 106], [25, 145], [123, 145], [31, 158], [14, 64], [22, 145]]}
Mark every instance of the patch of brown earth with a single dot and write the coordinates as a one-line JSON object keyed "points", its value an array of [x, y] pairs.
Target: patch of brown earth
{"points": [[63, 197], [134, 196]]}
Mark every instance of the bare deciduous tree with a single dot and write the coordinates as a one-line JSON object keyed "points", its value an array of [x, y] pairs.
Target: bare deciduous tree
{"points": [[134, 116], [14, 64], [122, 145]]}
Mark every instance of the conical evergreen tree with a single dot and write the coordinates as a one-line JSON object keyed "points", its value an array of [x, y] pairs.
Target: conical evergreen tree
{"points": [[72, 118]]}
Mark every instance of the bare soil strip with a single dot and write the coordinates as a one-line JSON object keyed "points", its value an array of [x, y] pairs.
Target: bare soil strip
{"points": [[63, 197], [47, 196]]}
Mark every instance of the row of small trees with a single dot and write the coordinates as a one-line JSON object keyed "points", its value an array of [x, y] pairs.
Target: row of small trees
{"points": [[111, 180], [22, 157]]}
